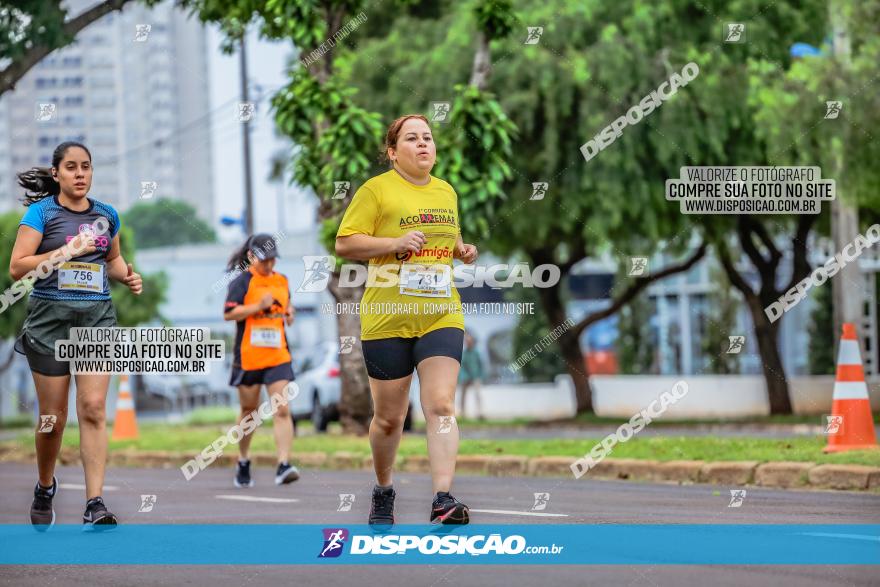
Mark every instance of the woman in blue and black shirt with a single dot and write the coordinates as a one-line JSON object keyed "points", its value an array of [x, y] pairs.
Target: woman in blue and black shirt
{"points": [[69, 244]]}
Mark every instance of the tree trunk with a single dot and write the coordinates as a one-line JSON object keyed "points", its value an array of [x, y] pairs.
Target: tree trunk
{"points": [[569, 346], [767, 334], [355, 404], [577, 369], [482, 63], [569, 341]]}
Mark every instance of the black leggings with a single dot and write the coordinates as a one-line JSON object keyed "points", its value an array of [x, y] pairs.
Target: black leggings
{"points": [[394, 358]]}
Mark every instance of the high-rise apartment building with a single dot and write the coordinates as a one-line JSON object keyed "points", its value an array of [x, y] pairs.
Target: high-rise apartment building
{"points": [[134, 89]]}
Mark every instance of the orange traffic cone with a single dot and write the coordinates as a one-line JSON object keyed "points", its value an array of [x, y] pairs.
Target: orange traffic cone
{"points": [[856, 425], [125, 427]]}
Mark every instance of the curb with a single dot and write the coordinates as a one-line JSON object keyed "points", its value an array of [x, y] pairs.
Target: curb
{"points": [[728, 473], [778, 475], [844, 476], [783, 474]]}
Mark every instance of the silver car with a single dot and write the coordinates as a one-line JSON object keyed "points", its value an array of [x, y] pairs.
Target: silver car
{"points": [[317, 375]]}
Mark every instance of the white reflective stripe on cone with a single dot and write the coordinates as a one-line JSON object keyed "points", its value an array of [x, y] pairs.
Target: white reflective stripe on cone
{"points": [[850, 390], [849, 353], [124, 404]]}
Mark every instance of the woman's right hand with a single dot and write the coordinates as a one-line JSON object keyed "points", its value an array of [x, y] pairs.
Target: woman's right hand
{"points": [[411, 242], [266, 301], [82, 244]]}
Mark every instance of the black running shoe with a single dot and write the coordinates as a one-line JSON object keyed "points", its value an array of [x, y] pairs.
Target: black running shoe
{"points": [[448, 510], [285, 474], [97, 517], [382, 508], [243, 474], [42, 512]]}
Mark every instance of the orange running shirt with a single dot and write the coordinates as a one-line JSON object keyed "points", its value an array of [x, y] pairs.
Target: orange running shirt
{"points": [[260, 340]]}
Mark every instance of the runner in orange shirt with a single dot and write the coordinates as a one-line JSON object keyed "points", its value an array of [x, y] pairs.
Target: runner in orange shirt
{"points": [[259, 302]]}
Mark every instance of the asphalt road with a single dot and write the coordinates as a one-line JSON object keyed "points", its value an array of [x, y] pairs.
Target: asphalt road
{"points": [[314, 499]]}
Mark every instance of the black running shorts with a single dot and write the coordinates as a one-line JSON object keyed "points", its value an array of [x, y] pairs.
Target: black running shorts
{"points": [[282, 372], [393, 358]]}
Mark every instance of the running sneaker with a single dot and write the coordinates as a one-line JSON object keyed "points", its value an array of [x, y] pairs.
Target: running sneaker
{"points": [[97, 517], [382, 508], [42, 512], [448, 510], [285, 474], [243, 474]]}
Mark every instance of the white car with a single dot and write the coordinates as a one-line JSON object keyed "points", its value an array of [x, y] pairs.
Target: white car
{"points": [[317, 375], [320, 388]]}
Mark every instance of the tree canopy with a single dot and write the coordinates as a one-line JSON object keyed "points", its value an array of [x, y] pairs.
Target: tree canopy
{"points": [[166, 223]]}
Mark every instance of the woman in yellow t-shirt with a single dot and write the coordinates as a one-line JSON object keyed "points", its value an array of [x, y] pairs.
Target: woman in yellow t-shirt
{"points": [[405, 222]]}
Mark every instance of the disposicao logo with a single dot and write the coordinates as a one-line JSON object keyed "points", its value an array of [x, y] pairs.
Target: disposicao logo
{"points": [[334, 540]]}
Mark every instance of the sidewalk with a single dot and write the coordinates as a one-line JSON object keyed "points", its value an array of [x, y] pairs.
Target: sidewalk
{"points": [[586, 430], [709, 397]]}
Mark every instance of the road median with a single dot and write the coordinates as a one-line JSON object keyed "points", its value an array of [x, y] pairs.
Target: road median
{"points": [[780, 475]]}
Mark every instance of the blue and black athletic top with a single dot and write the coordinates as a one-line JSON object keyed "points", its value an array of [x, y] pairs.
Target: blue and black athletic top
{"points": [[59, 225]]}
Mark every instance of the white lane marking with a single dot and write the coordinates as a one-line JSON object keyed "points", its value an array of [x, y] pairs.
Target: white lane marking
{"points": [[254, 498], [513, 513], [850, 536], [79, 486]]}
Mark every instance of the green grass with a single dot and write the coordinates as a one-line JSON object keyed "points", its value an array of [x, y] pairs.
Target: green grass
{"points": [[683, 448], [212, 415], [222, 416], [22, 421], [191, 439], [225, 416]]}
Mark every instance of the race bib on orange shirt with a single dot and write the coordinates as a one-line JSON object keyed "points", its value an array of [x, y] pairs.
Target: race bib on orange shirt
{"points": [[266, 336]]}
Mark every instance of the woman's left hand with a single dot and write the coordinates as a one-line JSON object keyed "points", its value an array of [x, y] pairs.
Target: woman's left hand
{"points": [[133, 281], [288, 315], [467, 253]]}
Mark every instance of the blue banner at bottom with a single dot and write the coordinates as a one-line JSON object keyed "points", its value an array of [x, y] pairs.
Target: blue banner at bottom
{"points": [[538, 544]]}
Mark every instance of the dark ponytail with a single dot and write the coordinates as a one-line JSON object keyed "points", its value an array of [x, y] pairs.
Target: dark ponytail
{"points": [[38, 181], [239, 259]]}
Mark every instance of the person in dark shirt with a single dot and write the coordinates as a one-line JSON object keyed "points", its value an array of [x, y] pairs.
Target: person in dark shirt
{"points": [[471, 374], [68, 246]]}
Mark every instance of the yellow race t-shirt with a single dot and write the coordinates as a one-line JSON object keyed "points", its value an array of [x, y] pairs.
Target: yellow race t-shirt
{"points": [[407, 295]]}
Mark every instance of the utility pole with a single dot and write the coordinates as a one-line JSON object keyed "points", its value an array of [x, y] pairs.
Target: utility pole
{"points": [[246, 142], [847, 288], [282, 214]]}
